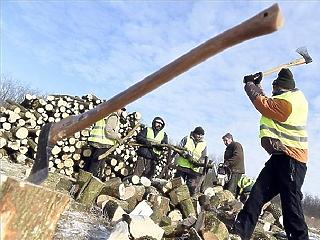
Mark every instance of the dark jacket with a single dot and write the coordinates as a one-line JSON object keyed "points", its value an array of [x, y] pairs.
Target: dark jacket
{"points": [[234, 157], [141, 138]]}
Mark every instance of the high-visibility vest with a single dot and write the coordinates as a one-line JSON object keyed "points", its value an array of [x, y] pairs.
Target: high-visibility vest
{"points": [[245, 184], [196, 150], [292, 132], [98, 133], [155, 139]]}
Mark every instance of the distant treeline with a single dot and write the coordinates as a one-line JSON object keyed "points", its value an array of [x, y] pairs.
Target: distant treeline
{"points": [[13, 89], [311, 206]]}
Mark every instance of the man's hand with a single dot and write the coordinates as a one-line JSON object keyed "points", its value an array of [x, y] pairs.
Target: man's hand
{"points": [[255, 78], [186, 155]]}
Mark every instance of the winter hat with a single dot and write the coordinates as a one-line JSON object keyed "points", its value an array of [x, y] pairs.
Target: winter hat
{"points": [[198, 130], [285, 79]]}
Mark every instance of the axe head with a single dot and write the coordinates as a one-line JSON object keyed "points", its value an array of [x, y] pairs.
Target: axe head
{"points": [[40, 168], [304, 53]]}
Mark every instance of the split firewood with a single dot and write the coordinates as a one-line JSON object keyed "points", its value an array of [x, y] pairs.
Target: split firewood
{"points": [[19, 201]]}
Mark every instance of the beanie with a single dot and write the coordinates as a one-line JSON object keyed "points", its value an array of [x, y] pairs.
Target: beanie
{"points": [[285, 79], [198, 130]]}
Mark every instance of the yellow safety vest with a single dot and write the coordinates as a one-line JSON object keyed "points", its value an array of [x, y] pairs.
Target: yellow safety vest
{"points": [[292, 132], [98, 133], [244, 182], [155, 139], [196, 151]]}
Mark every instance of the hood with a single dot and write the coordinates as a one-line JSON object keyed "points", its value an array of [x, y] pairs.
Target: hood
{"points": [[158, 119]]}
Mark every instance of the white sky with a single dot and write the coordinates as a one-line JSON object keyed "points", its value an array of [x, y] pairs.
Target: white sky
{"points": [[103, 47]]}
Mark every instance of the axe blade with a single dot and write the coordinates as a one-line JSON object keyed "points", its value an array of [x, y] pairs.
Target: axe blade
{"points": [[303, 51], [40, 168]]}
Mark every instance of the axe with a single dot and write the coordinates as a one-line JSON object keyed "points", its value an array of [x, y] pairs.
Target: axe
{"points": [[305, 59], [265, 22]]}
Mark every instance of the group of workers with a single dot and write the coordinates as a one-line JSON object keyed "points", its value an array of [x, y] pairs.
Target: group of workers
{"points": [[283, 135]]}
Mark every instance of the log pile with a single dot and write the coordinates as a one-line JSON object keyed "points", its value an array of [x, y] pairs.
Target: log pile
{"points": [[20, 125], [168, 210]]}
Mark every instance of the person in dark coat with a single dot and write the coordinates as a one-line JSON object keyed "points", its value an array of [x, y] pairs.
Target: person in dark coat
{"points": [[147, 154], [234, 160]]}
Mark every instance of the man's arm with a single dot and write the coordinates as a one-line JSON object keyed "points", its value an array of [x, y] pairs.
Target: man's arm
{"points": [[111, 126], [165, 139], [276, 109], [142, 137]]}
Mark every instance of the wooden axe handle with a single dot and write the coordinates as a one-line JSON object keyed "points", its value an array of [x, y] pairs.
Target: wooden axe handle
{"points": [[296, 62], [267, 21]]}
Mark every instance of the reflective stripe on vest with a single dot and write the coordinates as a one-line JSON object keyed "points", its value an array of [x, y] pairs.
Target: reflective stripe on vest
{"points": [[98, 134], [196, 151], [292, 132], [155, 139]]}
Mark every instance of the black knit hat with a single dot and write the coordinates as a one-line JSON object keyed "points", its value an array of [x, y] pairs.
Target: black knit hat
{"points": [[285, 79], [198, 130]]}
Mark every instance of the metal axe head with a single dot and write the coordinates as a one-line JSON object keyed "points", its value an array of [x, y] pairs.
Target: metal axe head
{"points": [[40, 168], [304, 53]]}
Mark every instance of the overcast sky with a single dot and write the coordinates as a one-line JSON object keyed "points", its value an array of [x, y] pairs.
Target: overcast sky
{"points": [[103, 47]]}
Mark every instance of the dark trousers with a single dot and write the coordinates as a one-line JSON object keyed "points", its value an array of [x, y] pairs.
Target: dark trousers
{"points": [[281, 175], [233, 183], [94, 165], [144, 167], [193, 180]]}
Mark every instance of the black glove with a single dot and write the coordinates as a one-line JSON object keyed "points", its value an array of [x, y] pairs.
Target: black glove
{"points": [[148, 144], [159, 148], [255, 78], [248, 78]]}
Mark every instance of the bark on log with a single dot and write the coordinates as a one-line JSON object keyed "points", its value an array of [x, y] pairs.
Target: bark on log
{"points": [[179, 194], [187, 208], [91, 192], [29, 211]]}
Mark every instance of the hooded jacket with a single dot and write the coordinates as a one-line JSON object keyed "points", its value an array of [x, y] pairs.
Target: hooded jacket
{"points": [[141, 138]]}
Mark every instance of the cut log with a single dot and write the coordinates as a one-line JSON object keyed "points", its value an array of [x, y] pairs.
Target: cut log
{"points": [[179, 194], [114, 187], [187, 208], [112, 210], [91, 192], [160, 207], [29, 211]]}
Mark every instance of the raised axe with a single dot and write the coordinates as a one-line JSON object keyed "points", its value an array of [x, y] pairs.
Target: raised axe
{"points": [[305, 59], [265, 22]]}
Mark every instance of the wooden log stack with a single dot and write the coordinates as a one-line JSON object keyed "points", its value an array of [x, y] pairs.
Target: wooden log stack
{"points": [[20, 125]]}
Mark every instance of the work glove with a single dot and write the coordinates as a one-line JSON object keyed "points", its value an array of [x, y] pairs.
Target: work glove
{"points": [[148, 144], [186, 155], [157, 147], [255, 78]]}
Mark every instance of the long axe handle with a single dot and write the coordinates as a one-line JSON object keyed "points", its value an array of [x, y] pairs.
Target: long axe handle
{"points": [[265, 22], [295, 62]]}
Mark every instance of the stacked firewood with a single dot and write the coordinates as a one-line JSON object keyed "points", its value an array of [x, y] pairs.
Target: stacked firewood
{"points": [[20, 125]]}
